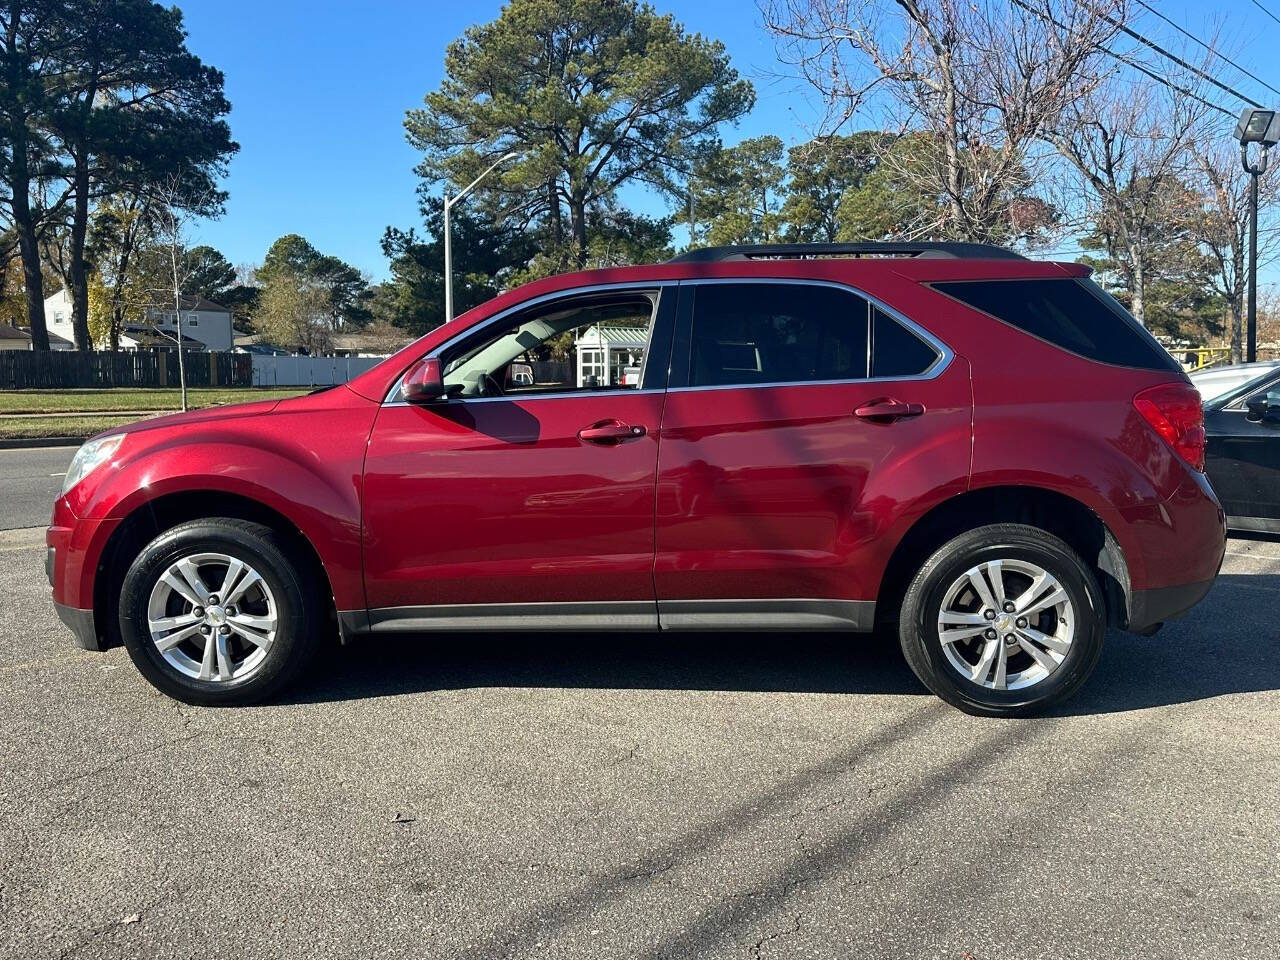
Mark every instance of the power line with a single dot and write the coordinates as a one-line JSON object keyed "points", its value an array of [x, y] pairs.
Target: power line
{"points": [[1131, 63], [1171, 85], [1179, 61], [1217, 53], [1265, 10]]}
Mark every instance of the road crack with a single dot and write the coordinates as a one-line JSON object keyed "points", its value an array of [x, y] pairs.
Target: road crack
{"points": [[788, 931], [117, 760]]}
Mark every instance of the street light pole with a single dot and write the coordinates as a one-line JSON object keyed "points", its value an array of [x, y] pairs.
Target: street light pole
{"points": [[1251, 328], [1263, 128], [448, 235]]}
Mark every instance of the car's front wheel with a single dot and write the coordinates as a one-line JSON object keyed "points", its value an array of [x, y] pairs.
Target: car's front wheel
{"points": [[1003, 620], [216, 612]]}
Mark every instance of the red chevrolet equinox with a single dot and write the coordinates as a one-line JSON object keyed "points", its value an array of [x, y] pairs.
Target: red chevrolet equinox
{"points": [[983, 453]]}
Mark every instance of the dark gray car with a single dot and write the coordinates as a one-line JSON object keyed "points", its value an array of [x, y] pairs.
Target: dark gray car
{"points": [[1242, 458]]}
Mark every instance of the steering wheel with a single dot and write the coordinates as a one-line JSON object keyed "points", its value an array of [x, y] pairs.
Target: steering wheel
{"points": [[489, 387]]}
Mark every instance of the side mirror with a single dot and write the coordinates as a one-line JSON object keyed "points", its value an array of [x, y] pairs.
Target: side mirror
{"points": [[424, 382], [1265, 408]]}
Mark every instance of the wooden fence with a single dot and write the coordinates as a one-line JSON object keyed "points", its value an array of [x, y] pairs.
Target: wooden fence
{"points": [[552, 371], [38, 369]]}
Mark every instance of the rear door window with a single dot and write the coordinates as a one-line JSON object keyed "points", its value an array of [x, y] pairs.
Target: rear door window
{"points": [[1073, 314], [758, 333]]}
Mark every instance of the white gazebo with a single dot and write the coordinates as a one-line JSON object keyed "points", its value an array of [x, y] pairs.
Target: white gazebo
{"points": [[605, 351]]}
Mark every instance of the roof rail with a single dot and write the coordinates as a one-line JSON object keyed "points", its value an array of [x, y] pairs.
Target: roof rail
{"points": [[812, 251]]}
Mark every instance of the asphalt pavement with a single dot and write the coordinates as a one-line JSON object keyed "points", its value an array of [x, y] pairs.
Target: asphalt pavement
{"points": [[642, 796], [29, 482]]}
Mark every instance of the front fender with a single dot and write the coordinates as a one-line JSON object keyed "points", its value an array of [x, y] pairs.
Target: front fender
{"points": [[304, 461]]}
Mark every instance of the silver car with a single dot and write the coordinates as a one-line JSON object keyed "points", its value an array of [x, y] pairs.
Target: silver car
{"points": [[1218, 381]]}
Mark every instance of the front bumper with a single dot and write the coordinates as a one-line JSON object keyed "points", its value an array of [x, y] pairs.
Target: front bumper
{"points": [[1149, 608], [82, 625], [75, 549]]}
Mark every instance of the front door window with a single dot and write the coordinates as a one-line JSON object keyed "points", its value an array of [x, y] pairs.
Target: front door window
{"points": [[583, 344]]}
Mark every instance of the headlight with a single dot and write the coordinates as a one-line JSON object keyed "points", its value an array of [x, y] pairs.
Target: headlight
{"points": [[89, 457]]}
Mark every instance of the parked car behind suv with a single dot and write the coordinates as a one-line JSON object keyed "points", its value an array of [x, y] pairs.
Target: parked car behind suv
{"points": [[1242, 455], [985, 453]]}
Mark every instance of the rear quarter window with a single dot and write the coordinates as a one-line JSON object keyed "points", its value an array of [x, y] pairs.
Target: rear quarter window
{"points": [[895, 350], [1073, 314]]}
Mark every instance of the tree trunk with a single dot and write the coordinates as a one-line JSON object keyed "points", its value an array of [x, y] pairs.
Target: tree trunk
{"points": [[1237, 331], [79, 274], [1237, 301], [553, 208], [24, 226], [951, 144], [32, 278], [1138, 293], [117, 296], [578, 221]]}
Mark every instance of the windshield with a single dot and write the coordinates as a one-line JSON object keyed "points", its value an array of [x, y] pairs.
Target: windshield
{"points": [[1224, 394]]}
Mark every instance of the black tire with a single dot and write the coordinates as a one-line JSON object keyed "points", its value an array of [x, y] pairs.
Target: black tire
{"points": [[918, 623], [297, 602]]}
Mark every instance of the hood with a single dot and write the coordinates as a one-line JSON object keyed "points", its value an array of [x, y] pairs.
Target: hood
{"points": [[229, 411]]}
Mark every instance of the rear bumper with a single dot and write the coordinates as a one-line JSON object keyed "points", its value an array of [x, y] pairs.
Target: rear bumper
{"points": [[1147, 608], [81, 625], [1181, 544]]}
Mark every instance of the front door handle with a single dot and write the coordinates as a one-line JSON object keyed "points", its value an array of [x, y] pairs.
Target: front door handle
{"points": [[886, 410], [611, 432]]}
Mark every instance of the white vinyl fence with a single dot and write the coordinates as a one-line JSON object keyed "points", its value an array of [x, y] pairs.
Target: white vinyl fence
{"points": [[308, 371]]}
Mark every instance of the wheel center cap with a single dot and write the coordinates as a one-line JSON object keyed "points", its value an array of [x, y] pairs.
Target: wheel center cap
{"points": [[215, 615], [1005, 623]]}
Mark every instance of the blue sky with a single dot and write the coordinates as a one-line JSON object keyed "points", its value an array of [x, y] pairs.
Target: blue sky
{"points": [[319, 90]]}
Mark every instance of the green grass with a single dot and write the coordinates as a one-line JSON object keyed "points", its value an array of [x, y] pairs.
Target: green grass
{"points": [[13, 428], [127, 398]]}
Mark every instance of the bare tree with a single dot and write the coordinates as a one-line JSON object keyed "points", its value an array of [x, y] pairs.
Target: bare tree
{"points": [[1269, 321], [1223, 227], [983, 80], [176, 207], [1131, 141]]}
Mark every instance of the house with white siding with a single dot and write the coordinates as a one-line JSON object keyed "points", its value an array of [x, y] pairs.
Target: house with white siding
{"points": [[57, 321], [15, 338], [202, 320], [205, 325]]}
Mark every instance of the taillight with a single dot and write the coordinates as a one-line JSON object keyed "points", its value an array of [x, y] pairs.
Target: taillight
{"points": [[1174, 410]]}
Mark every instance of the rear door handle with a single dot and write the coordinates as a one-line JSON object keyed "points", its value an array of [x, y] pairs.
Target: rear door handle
{"points": [[610, 432], [887, 410]]}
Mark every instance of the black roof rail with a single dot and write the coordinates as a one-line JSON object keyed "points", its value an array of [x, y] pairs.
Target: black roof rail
{"points": [[812, 251]]}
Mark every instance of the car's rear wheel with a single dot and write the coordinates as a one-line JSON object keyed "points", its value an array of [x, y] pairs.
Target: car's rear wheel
{"points": [[1004, 620], [217, 612]]}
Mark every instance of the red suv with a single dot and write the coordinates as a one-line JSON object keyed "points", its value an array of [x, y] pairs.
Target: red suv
{"points": [[983, 452]]}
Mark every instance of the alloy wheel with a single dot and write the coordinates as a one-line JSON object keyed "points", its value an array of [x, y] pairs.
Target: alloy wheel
{"points": [[212, 617], [1006, 624]]}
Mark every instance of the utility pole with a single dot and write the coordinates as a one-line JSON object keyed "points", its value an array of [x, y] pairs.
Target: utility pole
{"points": [[448, 237]]}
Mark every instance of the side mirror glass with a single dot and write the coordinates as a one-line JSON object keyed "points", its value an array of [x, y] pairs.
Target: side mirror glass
{"points": [[424, 382], [1264, 408]]}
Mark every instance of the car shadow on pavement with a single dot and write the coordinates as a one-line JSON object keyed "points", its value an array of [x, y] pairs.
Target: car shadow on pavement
{"points": [[766, 662], [1228, 644]]}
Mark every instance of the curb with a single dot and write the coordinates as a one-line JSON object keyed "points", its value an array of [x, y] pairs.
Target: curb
{"points": [[25, 443]]}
